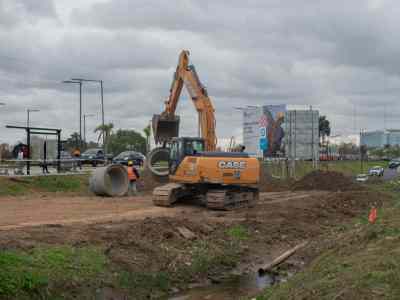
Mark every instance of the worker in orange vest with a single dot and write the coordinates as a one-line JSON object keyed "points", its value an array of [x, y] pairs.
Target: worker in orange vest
{"points": [[133, 176]]}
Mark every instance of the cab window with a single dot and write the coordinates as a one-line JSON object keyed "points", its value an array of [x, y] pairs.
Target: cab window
{"points": [[194, 147], [173, 155]]}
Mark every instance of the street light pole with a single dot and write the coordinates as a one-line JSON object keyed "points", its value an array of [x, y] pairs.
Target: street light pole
{"points": [[102, 105], [80, 107], [28, 111], [84, 126], [102, 115]]}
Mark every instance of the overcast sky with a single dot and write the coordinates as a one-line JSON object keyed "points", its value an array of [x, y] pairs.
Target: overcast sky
{"points": [[339, 56]]}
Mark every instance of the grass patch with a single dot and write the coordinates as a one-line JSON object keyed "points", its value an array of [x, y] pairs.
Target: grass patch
{"points": [[348, 167], [238, 232], [59, 183], [364, 263], [27, 185], [26, 276]]}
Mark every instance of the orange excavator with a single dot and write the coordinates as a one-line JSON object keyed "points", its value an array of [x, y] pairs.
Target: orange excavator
{"points": [[221, 180]]}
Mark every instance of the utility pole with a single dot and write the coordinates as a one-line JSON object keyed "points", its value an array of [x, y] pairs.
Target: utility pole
{"points": [[84, 126], [28, 111], [80, 107], [102, 105]]}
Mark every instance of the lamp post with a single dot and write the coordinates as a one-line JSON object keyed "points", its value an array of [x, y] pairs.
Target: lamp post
{"points": [[28, 111], [102, 104], [80, 106], [84, 126]]}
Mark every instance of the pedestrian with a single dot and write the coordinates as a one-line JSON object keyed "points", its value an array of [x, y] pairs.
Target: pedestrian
{"points": [[45, 170], [133, 176], [77, 156], [20, 162]]}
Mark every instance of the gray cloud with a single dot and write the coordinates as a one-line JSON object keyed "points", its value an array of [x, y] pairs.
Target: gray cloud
{"points": [[332, 55], [15, 12]]}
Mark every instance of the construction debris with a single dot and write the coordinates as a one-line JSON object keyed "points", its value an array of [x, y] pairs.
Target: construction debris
{"points": [[281, 258], [186, 233]]}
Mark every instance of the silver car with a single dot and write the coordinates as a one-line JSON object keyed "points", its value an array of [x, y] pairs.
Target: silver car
{"points": [[362, 177], [376, 171]]}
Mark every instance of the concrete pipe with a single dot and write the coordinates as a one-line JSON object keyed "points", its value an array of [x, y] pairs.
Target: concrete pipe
{"points": [[111, 181], [157, 162]]}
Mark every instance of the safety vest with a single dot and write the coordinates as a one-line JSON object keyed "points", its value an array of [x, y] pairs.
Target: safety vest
{"points": [[131, 174]]}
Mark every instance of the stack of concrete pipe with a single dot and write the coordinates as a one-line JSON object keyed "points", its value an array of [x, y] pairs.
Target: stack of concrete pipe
{"points": [[110, 181]]}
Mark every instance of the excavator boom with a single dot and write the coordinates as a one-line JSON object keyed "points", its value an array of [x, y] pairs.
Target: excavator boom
{"points": [[166, 125]]}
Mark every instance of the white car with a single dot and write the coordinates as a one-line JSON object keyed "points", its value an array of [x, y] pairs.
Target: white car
{"points": [[362, 177], [376, 171]]}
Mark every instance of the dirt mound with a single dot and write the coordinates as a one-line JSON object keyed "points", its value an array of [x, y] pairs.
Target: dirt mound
{"points": [[351, 203], [326, 181], [149, 181]]}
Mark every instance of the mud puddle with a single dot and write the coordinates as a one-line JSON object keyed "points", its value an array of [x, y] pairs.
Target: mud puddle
{"points": [[235, 287]]}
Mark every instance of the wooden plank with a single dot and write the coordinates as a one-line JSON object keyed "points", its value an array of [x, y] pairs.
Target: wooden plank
{"points": [[281, 258]]}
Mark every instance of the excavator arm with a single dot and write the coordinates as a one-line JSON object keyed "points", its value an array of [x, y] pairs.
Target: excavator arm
{"points": [[166, 125]]}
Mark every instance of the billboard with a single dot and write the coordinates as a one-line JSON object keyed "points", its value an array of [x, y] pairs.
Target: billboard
{"points": [[262, 129], [301, 134]]}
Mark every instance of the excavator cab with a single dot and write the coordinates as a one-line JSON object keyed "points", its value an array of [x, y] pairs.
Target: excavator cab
{"points": [[182, 147]]}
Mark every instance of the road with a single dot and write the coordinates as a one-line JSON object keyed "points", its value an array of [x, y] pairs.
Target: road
{"points": [[33, 210], [389, 174]]}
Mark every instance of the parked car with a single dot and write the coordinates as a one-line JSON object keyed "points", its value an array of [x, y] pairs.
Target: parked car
{"points": [[93, 157], [362, 177], [123, 158], [376, 171], [394, 163]]}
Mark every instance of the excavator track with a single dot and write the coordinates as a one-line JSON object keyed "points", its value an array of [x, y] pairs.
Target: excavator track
{"points": [[230, 199], [167, 194]]}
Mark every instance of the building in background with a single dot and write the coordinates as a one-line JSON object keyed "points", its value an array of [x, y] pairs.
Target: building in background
{"points": [[373, 139], [380, 138], [393, 137], [301, 134]]}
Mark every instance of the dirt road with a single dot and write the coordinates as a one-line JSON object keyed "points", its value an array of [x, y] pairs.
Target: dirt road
{"points": [[17, 212]]}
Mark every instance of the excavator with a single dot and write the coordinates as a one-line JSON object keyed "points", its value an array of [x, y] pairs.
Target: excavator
{"points": [[220, 180]]}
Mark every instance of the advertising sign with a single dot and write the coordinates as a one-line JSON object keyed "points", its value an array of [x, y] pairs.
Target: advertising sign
{"points": [[262, 129]]}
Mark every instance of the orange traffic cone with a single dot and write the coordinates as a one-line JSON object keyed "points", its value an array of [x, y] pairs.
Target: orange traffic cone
{"points": [[372, 215]]}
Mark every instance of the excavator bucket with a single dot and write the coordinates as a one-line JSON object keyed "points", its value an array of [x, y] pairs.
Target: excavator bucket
{"points": [[165, 128]]}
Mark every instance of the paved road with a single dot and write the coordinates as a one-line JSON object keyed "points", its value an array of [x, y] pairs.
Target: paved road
{"points": [[390, 174]]}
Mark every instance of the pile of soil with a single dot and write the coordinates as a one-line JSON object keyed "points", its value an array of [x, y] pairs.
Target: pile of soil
{"points": [[149, 181], [351, 203], [325, 181]]}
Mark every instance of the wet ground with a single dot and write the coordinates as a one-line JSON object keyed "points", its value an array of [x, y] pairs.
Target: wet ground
{"points": [[247, 285]]}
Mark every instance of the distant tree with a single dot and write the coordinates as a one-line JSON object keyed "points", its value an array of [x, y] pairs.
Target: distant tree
{"points": [[5, 151], [124, 140], [324, 128], [147, 132], [91, 144], [72, 142], [105, 130]]}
